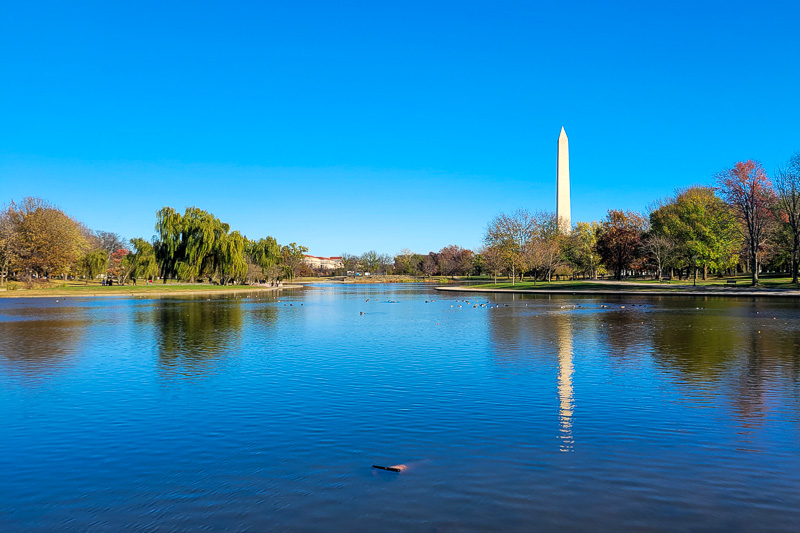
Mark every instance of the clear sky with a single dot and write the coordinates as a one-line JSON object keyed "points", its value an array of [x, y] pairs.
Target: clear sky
{"points": [[349, 126]]}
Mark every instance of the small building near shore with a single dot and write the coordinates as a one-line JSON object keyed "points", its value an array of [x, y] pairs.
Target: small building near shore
{"points": [[323, 263]]}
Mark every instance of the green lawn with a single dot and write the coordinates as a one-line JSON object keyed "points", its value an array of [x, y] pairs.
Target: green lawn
{"points": [[768, 282], [742, 282], [566, 285], [79, 288]]}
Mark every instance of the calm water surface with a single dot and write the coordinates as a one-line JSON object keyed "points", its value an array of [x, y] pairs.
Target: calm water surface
{"points": [[266, 413]]}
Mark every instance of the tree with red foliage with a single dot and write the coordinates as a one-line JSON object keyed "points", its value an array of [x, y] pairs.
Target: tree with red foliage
{"points": [[620, 239], [748, 190], [117, 266], [454, 260]]}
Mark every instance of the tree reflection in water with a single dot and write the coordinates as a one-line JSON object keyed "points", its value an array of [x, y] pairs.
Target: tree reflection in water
{"points": [[37, 342], [196, 338], [742, 351]]}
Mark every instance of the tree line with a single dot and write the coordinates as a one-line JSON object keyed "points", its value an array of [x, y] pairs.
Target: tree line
{"points": [[449, 261], [745, 222], [39, 241]]}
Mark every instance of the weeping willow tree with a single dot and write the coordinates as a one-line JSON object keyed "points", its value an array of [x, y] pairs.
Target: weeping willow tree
{"points": [[168, 246], [198, 244], [231, 263], [142, 261], [187, 244], [93, 263], [199, 235], [266, 253]]}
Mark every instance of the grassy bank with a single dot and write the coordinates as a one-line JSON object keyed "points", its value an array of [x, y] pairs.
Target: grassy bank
{"points": [[380, 279], [742, 283], [66, 289], [569, 286]]}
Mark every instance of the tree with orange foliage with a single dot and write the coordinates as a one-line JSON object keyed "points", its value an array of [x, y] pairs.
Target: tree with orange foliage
{"points": [[748, 190], [492, 260], [47, 240]]}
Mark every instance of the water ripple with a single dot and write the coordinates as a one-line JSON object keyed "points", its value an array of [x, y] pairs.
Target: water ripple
{"points": [[510, 412]]}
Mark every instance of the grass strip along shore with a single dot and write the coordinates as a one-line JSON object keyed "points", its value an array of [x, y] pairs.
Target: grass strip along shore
{"points": [[134, 291], [778, 287]]}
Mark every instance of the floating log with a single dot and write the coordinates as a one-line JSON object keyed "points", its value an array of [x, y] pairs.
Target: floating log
{"points": [[389, 468]]}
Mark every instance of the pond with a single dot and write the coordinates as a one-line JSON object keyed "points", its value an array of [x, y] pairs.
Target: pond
{"points": [[261, 412]]}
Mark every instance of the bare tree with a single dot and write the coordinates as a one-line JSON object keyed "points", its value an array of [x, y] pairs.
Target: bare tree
{"points": [[548, 242], [510, 234], [787, 185], [661, 249], [7, 242], [748, 190], [531, 258], [110, 242]]}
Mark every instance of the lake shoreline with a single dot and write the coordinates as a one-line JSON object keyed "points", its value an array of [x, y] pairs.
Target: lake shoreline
{"points": [[366, 281], [96, 292], [723, 292]]}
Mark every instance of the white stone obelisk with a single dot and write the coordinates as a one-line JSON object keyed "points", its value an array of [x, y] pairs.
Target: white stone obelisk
{"points": [[562, 183]]}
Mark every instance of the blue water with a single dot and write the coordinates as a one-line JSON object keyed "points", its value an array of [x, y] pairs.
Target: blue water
{"points": [[266, 413]]}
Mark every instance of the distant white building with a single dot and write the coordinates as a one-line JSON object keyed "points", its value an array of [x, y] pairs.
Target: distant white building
{"points": [[324, 263]]}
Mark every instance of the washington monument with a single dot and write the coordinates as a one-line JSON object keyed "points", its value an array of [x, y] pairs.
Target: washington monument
{"points": [[562, 183]]}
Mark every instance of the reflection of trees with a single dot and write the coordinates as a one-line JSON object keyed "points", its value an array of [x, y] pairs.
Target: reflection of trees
{"points": [[624, 331], [700, 345], [749, 385], [729, 348], [729, 354], [194, 337], [35, 348], [520, 336], [765, 356]]}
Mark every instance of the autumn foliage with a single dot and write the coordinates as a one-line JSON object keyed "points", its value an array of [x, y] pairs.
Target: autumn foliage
{"points": [[748, 190], [620, 237]]}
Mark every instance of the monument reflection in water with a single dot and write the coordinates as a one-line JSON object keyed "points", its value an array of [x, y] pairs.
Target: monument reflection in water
{"points": [[565, 393]]}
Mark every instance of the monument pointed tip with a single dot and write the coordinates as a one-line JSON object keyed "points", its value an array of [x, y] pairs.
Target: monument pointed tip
{"points": [[563, 132]]}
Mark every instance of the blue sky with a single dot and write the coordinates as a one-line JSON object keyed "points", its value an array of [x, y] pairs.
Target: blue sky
{"points": [[349, 126]]}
